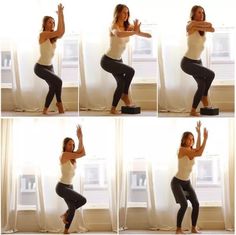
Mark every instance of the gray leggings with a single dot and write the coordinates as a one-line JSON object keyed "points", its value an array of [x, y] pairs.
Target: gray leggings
{"points": [[73, 200], [184, 191], [122, 73], [53, 81], [202, 75]]}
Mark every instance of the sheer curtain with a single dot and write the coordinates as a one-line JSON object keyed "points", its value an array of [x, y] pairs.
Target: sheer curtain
{"points": [[41, 157], [157, 143], [228, 181], [23, 43], [175, 88], [8, 185]]}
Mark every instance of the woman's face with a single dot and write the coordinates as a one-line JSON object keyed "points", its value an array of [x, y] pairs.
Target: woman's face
{"points": [[50, 24], [70, 146], [124, 14], [189, 141], [199, 14]]}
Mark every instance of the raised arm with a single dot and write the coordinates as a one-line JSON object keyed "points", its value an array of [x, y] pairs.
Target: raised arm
{"points": [[198, 129], [61, 22], [80, 152], [58, 33], [192, 153], [199, 26]]}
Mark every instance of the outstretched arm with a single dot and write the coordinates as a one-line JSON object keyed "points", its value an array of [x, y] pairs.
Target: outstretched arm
{"points": [[192, 153], [132, 30], [137, 28]]}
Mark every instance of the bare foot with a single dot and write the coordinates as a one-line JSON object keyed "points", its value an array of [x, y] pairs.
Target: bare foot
{"points": [[60, 107], [195, 230], [66, 231], [179, 231], [114, 111], [63, 217], [194, 113], [45, 111]]}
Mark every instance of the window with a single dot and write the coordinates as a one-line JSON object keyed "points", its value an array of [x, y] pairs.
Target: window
{"points": [[6, 68], [208, 180], [98, 165], [95, 181], [144, 55], [137, 182], [70, 60], [27, 191], [222, 56]]}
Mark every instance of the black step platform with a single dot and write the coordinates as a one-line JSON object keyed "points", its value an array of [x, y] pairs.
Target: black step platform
{"points": [[130, 109], [209, 111]]}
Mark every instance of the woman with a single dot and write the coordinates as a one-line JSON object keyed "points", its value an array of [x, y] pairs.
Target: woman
{"points": [[180, 184], [44, 68], [191, 62], [112, 62], [64, 187]]}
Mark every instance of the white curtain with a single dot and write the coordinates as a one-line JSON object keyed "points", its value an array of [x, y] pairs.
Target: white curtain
{"points": [[28, 90], [228, 181], [8, 183], [42, 160], [157, 143], [175, 88]]}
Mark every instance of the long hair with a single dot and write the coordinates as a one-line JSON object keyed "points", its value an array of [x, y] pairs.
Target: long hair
{"points": [[192, 14], [184, 137], [117, 11], [45, 20], [65, 141]]}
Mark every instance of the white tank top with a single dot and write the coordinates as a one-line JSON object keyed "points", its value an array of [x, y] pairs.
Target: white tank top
{"points": [[46, 52], [67, 172], [195, 45], [117, 47], [185, 166]]}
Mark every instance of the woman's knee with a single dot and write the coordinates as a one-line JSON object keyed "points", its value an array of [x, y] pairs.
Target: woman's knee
{"points": [[59, 82], [84, 201], [211, 74], [184, 205], [131, 72]]}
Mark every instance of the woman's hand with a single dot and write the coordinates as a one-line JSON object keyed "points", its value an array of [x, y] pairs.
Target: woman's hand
{"points": [[60, 8], [137, 26], [198, 127], [79, 132], [205, 134]]}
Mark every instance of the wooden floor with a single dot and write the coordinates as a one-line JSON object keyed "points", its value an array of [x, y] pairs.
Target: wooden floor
{"points": [[145, 232], [169, 114], [144, 113], [173, 232], [39, 114]]}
